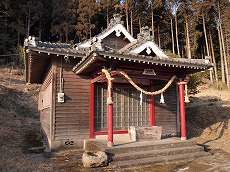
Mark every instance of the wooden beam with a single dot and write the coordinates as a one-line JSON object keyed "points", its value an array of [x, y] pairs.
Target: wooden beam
{"points": [[53, 104], [97, 79], [102, 77], [91, 118]]}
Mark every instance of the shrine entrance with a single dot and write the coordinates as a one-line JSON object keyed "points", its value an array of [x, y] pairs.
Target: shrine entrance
{"points": [[129, 108]]}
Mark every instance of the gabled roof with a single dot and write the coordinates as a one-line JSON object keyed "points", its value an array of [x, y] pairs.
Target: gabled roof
{"points": [[115, 25], [143, 41], [86, 65]]}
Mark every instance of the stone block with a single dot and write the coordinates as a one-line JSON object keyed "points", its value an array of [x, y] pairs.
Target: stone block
{"points": [[145, 133], [94, 159]]}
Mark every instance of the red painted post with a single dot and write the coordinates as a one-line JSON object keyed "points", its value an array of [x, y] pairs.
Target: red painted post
{"points": [[91, 118], [152, 121], [182, 112], [110, 114]]}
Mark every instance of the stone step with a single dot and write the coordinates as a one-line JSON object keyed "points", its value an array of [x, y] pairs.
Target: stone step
{"points": [[150, 160], [156, 153], [149, 146]]}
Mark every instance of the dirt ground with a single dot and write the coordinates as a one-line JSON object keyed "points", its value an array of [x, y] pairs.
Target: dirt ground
{"points": [[21, 147]]}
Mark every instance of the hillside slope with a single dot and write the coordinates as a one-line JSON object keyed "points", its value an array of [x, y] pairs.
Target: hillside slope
{"points": [[19, 124], [208, 118]]}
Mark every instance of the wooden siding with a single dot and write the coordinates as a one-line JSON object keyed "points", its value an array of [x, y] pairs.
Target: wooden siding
{"points": [[45, 121], [44, 102], [166, 114], [37, 65], [43, 89], [71, 117], [47, 79], [114, 42]]}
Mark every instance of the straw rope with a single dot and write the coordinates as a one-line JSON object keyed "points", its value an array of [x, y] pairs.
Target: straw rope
{"points": [[147, 92], [110, 79]]}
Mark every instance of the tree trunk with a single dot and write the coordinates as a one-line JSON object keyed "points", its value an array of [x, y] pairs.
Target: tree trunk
{"points": [[227, 46], [90, 34], [221, 57], [153, 26], [177, 41], [158, 35], [213, 58], [207, 48], [173, 48], [205, 36], [28, 25], [127, 15], [223, 47], [131, 21], [187, 38], [225, 57], [66, 36], [139, 21], [40, 28], [107, 14], [18, 35]]}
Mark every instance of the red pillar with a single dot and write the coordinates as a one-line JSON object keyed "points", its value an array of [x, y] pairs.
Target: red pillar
{"points": [[91, 118], [152, 121], [182, 112], [110, 114]]}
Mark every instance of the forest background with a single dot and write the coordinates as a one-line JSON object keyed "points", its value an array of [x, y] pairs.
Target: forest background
{"points": [[193, 29]]}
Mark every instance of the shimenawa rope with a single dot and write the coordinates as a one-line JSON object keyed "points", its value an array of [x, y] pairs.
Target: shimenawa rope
{"points": [[147, 92], [107, 74]]}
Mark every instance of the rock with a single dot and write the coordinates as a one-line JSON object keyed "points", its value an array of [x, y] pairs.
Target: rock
{"points": [[92, 146], [94, 159]]}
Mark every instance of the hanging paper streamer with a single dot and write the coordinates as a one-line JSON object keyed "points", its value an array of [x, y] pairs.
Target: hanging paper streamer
{"points": [[141, 98], [162, 100]]}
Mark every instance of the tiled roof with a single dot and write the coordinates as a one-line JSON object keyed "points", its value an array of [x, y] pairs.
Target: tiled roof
{"points": [[53, 48], [195, 64]]}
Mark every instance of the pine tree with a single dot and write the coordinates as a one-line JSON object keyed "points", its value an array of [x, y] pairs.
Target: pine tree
{"points": [[107, 8], [174, 5], [220, 8], [153, 4], [186, 10], [202, 9], [63, 18], [86, 11]]}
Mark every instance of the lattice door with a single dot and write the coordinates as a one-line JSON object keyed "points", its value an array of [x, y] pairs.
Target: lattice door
{"points": [[127, 108]]}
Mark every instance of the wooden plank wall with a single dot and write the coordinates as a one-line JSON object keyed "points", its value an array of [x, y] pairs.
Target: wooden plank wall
{"points": [[72, 116], [45, 121], [166, 114], [44, 102], [115, 42]]}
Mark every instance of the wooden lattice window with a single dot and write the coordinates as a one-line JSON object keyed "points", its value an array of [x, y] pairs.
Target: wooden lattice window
{"points": [[127, 108]]}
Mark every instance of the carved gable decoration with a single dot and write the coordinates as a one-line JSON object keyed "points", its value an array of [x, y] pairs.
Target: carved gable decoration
{"points": [[149, 47], [115, 26], [145, 43]]}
